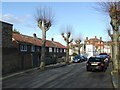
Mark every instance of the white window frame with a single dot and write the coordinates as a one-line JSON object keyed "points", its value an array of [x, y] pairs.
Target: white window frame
{"points": [[50, 49], [61, 50], [57, 50], [54, 49], [33, 48], [64, 50], [23, 47]]}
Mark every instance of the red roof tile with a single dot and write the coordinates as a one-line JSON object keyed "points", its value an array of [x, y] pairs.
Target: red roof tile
{"points": [[26, 39], [35, 41], [59, 45]]}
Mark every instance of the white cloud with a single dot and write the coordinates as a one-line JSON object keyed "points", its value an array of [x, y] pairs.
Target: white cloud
{"points": [[15, 19]]}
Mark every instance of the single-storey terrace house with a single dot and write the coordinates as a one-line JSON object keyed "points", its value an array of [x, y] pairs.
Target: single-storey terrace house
{"points": [[22, 52]]}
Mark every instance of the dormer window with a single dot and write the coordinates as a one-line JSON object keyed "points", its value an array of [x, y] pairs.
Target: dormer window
{"points": [[23, 47]]}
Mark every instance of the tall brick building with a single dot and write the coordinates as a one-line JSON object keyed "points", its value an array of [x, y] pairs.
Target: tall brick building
{"points": [[98, 43]]}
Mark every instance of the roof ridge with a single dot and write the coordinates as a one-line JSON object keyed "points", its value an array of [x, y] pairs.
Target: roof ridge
{"points": [[36, 41]]}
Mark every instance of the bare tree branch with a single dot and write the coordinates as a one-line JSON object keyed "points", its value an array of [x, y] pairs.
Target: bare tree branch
{"points": [[44, 16], [70, 40], [109, 33]]}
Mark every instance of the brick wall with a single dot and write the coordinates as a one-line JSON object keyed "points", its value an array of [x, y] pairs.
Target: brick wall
{"points": [[6, 34], [13, 61]]}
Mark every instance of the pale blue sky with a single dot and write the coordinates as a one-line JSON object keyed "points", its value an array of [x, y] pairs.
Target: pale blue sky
{"points": [[82, 16]]}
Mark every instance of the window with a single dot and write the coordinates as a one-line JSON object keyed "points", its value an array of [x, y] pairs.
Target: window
{"points": [[38, 49], [54, 49], [64, 50], [101, 42], [50, 49], [32, 48], [23, 47], [57, 50], [61, 50]]}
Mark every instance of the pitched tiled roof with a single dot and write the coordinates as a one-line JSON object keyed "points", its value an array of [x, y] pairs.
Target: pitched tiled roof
{"points": [[26, 39], [59, 45], [94, 39], [16, 37]]}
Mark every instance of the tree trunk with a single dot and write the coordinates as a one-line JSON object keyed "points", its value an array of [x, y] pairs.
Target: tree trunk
{"points": [[115, 50], [79, 49], [42, 64], [67, 53]]}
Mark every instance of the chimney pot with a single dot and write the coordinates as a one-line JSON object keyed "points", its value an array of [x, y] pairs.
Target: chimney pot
{"points": [[95, 37], [34, 35], [52, 39]]}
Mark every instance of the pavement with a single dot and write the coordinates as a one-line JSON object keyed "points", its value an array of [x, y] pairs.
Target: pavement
{"points": [[57, 65], [115, 81]]}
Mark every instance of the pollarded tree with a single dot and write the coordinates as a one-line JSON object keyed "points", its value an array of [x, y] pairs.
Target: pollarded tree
{"points": [[78, 41], [44, 18], [112, 9], [68, 41]]}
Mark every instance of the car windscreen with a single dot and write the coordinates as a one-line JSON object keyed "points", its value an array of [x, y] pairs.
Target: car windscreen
{"points": [[95, 59]]}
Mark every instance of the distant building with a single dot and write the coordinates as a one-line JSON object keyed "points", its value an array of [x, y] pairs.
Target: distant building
{"points": [[74, 48], [97, 43], [107, 47]]}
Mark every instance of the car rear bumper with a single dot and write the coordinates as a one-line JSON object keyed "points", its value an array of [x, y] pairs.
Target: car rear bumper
{"points": [[95, 67]]}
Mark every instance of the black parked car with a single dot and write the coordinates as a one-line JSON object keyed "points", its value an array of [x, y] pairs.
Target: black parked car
{"points": [[84, 57], [106, 57], [79, 58], [96, 62]]}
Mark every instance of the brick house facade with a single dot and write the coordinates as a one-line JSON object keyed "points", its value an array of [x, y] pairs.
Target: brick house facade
{"points": [[98, 43], [22, 52]]}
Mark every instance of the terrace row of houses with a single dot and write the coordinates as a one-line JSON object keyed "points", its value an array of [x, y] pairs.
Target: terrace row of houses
{"points": [[23, 52]]}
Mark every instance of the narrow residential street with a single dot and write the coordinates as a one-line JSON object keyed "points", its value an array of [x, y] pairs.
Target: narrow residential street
{"points": [[70, 76]]}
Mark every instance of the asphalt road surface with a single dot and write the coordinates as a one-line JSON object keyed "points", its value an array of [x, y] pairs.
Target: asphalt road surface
{"points": [[70, 76]]}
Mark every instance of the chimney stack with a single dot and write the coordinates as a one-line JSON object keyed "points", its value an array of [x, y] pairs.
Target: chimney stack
{"points": [[100, 38], [52, 39], [95, 37], [34, 35]]}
